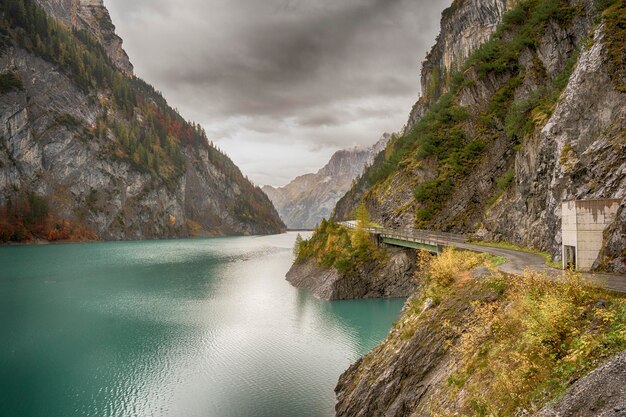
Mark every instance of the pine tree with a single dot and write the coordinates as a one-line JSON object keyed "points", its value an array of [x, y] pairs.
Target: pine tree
{"points": [[360, 236], [297, 245]]}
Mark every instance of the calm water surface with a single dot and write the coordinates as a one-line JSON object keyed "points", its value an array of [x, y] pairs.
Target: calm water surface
{"points": [[181, 328]]}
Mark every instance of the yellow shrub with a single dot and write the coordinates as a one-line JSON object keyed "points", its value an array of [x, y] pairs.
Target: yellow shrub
{"points": [[521, 350], [444, 269]]}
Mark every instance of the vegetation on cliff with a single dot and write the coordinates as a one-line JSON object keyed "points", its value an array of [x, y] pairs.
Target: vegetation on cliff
{"points": [[473, 341], [153, 141], [334, 245], [539, 337], [614, 16], [26, 217], [10, 81], [501, 95], [134, 124]]}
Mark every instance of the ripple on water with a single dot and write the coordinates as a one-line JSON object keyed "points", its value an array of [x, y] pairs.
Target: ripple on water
{"points": [[203, 327]]}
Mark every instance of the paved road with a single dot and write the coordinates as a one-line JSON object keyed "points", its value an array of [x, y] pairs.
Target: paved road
{"points": [[517, 261]]}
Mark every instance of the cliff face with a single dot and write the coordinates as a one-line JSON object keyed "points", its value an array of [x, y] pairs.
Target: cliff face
{"points": [[93, 17], [82, 151], [579, 153], [465, 26], [392, 278], [400, 376], [306, 200], [509, 128]]}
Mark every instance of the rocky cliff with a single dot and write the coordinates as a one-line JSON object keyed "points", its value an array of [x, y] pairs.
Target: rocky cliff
{"points": [[475, 343], [91, 16], [395, 277], [510, 125], [465, 26], [88, 149], [309, 198]]}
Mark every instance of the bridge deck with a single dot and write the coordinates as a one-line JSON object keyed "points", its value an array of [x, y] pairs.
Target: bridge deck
{"points": [[415, 239]]}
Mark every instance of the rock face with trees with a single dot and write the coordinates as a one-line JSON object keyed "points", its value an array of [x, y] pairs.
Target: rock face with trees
{"points": [[337, 263], [526, 114], [87, 150]]}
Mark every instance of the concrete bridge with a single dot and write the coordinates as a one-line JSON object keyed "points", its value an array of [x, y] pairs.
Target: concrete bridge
{"points": [[433, 242]]}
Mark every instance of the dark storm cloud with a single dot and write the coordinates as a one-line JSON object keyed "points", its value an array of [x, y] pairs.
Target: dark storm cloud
{"points": [[282, 68]]}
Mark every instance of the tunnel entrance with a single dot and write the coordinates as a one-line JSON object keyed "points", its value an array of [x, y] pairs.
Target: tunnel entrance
{"points": [[569, 257]]}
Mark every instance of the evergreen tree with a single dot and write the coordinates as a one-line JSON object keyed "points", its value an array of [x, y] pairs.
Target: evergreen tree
{"points": [[297, 245], [360, 236]]}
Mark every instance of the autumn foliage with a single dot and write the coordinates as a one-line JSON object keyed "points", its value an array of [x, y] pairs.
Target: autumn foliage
{"points": [[27, 217], [522, 340]]}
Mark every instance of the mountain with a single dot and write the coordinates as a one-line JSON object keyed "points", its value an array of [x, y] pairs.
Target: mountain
{"points": [[309, 198], [93, 17], [523, 106], [89, 151]]}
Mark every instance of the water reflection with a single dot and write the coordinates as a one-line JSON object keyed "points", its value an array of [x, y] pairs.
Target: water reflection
{"points": [[193, 327]]}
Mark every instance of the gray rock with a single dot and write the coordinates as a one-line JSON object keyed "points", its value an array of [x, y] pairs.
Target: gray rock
{"points": [[93, 17], [602, 393], [393, 278], [305, 201]]}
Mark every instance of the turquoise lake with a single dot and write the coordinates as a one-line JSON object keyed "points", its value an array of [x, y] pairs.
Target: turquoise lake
{"points": [[182, 328]]}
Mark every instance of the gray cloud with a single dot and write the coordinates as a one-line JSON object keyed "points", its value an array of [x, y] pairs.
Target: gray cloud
{"points": [[314, 75]]}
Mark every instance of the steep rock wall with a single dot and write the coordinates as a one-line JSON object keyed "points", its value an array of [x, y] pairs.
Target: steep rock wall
{"points": [[579, 154], [569, 146], [70, 166], [93, 17], [89, 151], [465, 25], [393, 278]]}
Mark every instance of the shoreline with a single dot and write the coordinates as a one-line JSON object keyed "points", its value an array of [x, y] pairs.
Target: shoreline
{"points": [[43, 242]]}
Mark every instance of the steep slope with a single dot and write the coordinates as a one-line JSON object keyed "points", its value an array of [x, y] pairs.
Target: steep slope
{"points": [[509, 128], [89, 151], [472, 342], [309, 198], [93, 17]]}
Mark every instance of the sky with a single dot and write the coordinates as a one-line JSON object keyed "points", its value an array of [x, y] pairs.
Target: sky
{"points": [[280, 85]]}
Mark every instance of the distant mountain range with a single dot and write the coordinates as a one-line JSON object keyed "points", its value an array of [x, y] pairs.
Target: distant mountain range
{"points": [[309, 198]]}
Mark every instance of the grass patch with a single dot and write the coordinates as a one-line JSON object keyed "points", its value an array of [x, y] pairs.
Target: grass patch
{"points": [[497, 261], [440, 272], [614, 17]]}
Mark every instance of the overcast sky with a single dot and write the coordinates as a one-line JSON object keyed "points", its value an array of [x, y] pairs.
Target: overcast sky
{"points": [[280, 85]]}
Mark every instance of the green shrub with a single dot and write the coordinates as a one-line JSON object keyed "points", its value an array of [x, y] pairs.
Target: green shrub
{"points": [[10, 81], [333, 245]]}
